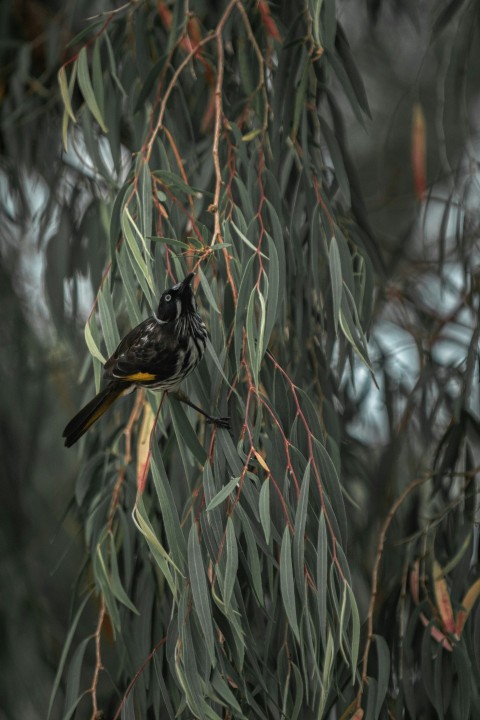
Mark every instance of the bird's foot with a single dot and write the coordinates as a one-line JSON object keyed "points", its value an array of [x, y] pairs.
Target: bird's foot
{"points": [[221, 422]]}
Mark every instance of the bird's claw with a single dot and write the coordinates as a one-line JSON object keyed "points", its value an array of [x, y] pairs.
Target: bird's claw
{"points": [[221, 422]]}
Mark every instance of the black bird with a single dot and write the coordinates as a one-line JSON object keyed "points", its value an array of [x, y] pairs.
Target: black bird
{"points": [[157, 354]]}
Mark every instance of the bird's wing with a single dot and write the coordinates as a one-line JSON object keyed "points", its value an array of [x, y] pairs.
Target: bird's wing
{"points": [[146, 355]]}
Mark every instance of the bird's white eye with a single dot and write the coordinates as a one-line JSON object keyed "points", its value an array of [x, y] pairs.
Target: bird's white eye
{"points": [[167, 298]]}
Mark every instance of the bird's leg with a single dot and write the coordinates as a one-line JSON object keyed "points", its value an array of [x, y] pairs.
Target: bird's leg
{"points": [[221, 422]]}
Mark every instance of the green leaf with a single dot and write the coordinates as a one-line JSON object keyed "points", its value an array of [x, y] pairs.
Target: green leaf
{"points": [[255, 329], [300, 97], [87, 90], [299, 536], [91, 344], [221, 687], [247, 242], [140, 267], [345, 82], [355, 641], [383, 660], [463, 667], [65, 91], [139, 235], [264, 509], [326, 673], [211, 351], [162, 557], [201, 597], [351, 68], [115, 582], [254, 567], [107, 319], [150, 80], [351, 327], [299, 694], [322, 576], [186, 436], [331, 483], [315, 7], [129, 287], [329, 23], [287, 583], [170, 519], [66, 648], [223, 494], [337, 160], [103, 582], [231, 455], [244, 293], [98, 82], [231, 562], [273, 290], [174, 182], [145, 192], [86, 31], [207, 291]]}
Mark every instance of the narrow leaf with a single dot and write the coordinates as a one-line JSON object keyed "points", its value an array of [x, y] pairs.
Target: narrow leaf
{"points": [[143, 446], [87, 89], [231, 563], [201, 598], [442, 597], [383, 660], [91, 344], [223, 494], [65, 92], [66, 648], [468, 602], [287, 583], [264, 509], [299, 536]]}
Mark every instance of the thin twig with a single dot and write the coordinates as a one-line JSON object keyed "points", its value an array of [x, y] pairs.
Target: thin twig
{"points": [[139, 400], [98, 659], [215, 207], [168, 91], [261, 64], [137, 675], [381, 543]]}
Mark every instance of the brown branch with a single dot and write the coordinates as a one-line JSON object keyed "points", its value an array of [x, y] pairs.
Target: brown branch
{"points": [[381, 543], [137, 675], [98, 660], [261, 64], [139, 400], [168, 92], [215, 207]]}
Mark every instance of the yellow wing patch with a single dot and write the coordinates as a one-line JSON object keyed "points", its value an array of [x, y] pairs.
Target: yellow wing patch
{"points": [[140, 377]]}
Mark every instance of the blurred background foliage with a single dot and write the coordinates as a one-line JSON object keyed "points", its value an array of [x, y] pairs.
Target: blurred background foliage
{"points": [[316, 163]]}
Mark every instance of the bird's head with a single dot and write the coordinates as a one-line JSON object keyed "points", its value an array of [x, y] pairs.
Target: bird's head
{"points": [[177, 301]]}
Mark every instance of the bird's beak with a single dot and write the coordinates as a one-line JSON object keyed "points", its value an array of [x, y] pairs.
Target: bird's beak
{"points": [[186, 281]]}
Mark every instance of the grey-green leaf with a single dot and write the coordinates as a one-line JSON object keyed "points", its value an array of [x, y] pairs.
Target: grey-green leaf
{"points": [[87, 89], [287, 585], [200, 592]]}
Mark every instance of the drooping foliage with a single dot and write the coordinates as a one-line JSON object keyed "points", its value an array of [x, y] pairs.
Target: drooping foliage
{"points": [[251, 573]]}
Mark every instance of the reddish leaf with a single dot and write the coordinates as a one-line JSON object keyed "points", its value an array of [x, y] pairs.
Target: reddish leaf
{"points": [[415, 582], [269, 23], [437, 634], [143, 448], [442, 597], [468, 602], [418, 150]]}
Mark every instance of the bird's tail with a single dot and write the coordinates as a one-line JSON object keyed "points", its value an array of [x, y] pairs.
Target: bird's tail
{"points": [[92, 411]]}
